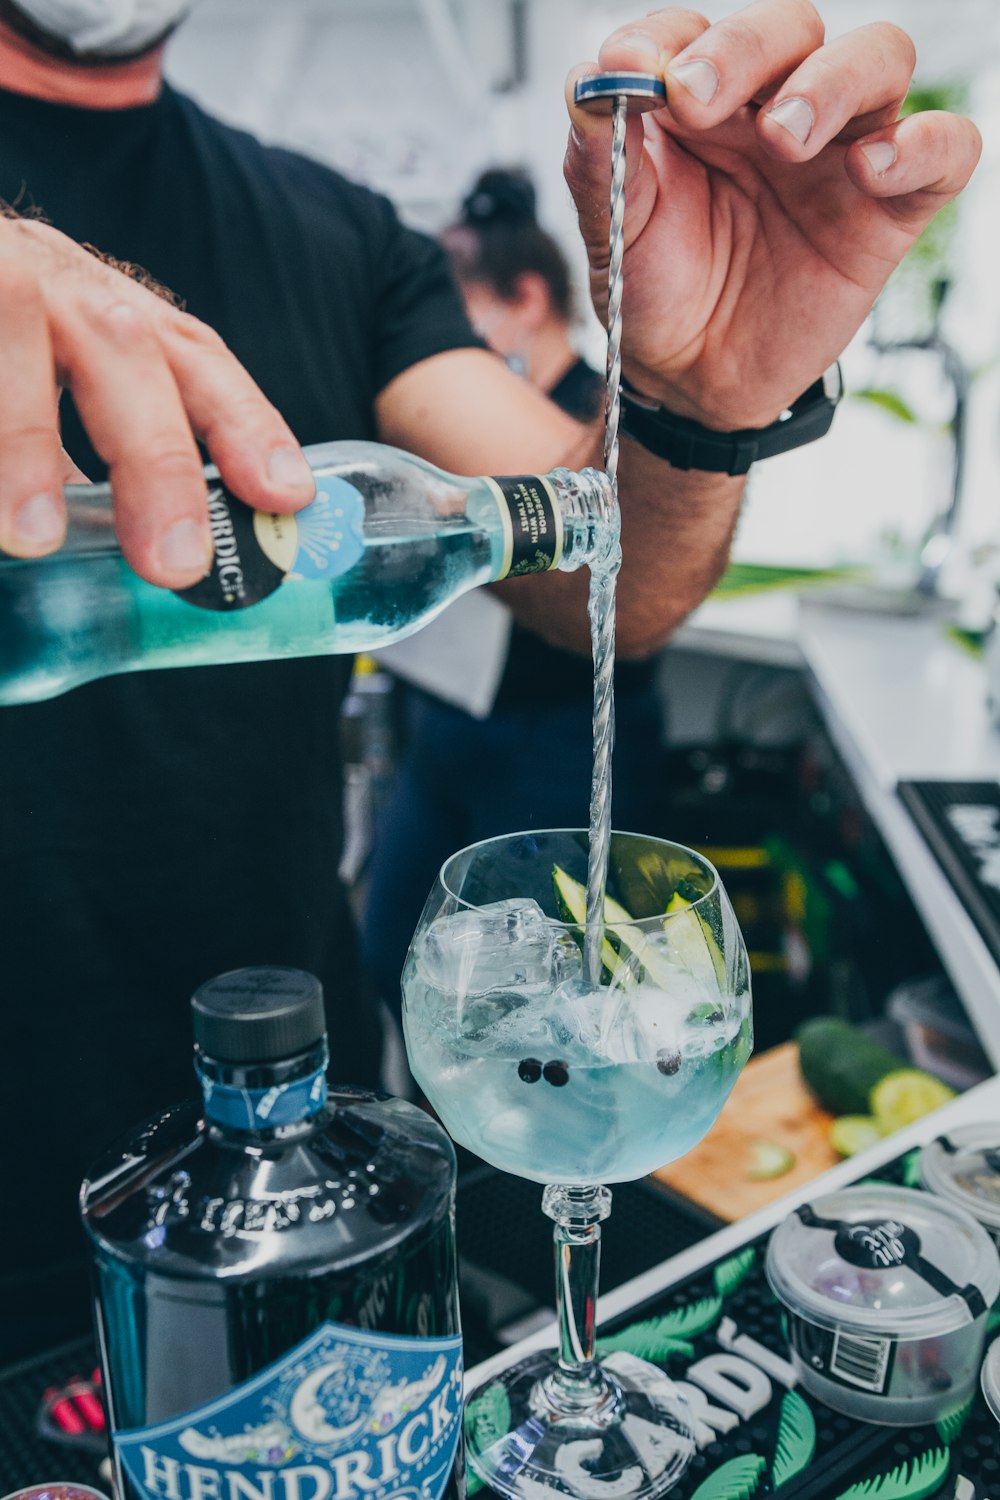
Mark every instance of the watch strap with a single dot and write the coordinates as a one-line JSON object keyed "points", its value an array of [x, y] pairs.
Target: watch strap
{"points": [[686, 444]]}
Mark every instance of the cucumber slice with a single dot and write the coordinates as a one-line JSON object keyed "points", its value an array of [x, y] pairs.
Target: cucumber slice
{"points": [[693, 943], [622, 940], [571, 904], [768, 1159], [853, 1133]]}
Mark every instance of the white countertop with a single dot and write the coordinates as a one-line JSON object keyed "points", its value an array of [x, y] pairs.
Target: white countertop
{"points": [[901, 701]]}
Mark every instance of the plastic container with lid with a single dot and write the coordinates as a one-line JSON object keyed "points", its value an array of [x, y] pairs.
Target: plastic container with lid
{"points": [[887, 1291], [991, 1378], [963, 1167]]}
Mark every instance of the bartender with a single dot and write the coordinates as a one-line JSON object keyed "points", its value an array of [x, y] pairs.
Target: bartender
{"points": [[159, 828]]}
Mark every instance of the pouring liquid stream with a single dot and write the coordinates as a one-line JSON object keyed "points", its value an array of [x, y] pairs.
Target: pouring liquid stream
{"points": [[603, 579]]}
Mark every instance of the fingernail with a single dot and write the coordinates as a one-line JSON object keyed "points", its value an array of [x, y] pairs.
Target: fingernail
{"points": [[641, 41], [699, 78], [796, 116], [287, 467], [184, 546], [38, 522], [881, 155]]}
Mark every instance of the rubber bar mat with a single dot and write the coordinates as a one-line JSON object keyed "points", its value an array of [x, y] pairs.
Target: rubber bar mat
{"points": [[793, 1445], [960, 821]]}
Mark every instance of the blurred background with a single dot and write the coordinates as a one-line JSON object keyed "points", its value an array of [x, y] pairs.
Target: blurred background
{"points": [[846, 650], [415, 97]]}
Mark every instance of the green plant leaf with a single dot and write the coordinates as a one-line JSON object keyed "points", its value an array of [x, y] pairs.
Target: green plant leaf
{"points": [[911, 1169], [735, 1480], [889, 401], [796, 1439], [645, 1341], [757, 578], [907, 1482], [658, 1338], [993, 1321], [729, 1275], [487, 1419], [949, 1427]]}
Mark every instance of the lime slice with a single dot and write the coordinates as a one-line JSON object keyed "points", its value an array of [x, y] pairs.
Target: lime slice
{"points": [[768, 1159], [853, 1133], [907, 1095]]}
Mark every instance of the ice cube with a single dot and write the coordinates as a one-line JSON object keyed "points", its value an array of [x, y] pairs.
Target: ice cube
{"points": [[637, 1024], [507, 945], [518, 1024]]}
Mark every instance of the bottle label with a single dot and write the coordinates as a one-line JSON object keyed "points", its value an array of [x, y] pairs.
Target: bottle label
{"points": [[848, 1359], [256, 552], [345, 1414], [264, 1109], [532, 524]]}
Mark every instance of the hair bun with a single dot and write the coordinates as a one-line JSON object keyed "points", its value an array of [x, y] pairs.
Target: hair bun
{"points": [[500, 198]]}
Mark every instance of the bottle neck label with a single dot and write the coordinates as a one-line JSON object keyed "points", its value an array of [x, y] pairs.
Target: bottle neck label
{"points": [[532, 524], [344, 1414], [263, 1109], [255, 553]]}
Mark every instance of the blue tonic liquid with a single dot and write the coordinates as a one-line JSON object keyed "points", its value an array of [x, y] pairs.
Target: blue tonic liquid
{"points": [[384, 547], [617, 1105], [73, 619]]}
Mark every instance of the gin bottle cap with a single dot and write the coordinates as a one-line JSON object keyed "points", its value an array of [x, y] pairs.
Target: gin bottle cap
{"points": [[258, 1015]]}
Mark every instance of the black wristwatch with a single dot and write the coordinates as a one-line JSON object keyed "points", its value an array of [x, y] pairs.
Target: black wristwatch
{"points": [[688, 445]]}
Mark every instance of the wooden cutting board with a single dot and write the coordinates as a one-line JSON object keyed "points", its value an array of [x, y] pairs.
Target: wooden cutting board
{"points": [[769, 1103]]}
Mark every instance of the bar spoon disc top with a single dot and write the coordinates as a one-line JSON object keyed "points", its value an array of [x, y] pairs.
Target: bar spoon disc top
{"points": [[642, 90]]}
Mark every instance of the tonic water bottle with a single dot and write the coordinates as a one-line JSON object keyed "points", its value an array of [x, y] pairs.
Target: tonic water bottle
{"points": [[275, 1289], [388, 541]]}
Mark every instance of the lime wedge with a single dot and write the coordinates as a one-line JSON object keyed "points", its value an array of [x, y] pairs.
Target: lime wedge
{"points": [[907, 1095], [853, 1133]]}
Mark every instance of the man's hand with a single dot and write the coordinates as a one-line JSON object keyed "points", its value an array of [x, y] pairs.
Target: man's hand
{"points": [[147, 380], [766, 204]]}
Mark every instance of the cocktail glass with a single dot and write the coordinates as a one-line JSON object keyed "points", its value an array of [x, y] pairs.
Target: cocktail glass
{"points": [[577, 1085]]}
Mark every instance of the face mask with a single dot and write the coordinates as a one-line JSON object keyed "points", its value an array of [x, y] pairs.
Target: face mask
{"points": [[111, 28]]}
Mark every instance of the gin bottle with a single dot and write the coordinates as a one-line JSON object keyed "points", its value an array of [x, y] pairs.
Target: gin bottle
{"points": [[388, 541], [274, 1272]]}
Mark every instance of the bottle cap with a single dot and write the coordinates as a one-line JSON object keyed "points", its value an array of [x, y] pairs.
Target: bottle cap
{"points": [[258, 1015], [964, 1167], [880, 1261]]}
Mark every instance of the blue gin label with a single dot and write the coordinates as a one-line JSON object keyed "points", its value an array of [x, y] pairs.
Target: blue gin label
{"points": [[345, 1414]]}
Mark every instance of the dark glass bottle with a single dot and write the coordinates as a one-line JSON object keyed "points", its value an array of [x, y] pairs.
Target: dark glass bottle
{"points": [[275, 1286]]}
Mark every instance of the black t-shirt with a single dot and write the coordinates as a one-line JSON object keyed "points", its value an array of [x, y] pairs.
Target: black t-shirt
{"points": [[536, 674], [161, 827]]}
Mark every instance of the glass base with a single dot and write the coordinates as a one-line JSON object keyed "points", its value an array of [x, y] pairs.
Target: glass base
{"points": [[625, 1435]]}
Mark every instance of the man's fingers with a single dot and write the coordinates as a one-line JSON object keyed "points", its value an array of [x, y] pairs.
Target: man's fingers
{"points": [[71, 472], [738, 59], [32, 513], [862, 77], [129, 403], [146, 378], [250, 442], [646, 46], [918, 165]]}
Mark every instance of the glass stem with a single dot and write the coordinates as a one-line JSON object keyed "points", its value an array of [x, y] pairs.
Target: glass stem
{"points": [[577, 1213]]}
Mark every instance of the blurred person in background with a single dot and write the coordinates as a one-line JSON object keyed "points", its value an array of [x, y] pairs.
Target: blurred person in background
{"points": [[159, 828], [527, 763]]}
